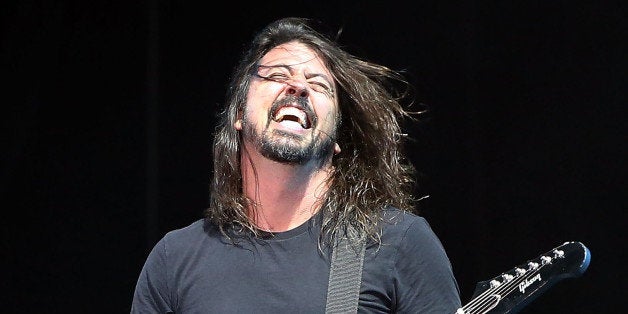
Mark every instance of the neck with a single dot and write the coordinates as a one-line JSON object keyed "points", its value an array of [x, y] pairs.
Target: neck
{"points": [[284, 196]]}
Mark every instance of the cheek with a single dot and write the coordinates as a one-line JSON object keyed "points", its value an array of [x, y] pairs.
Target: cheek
{"points": [[259, 99], [330, 117], [333, 109], [263, 92], [255, 105]]}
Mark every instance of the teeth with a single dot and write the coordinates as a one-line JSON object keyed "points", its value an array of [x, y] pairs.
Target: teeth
{"points": [[293, 114]]}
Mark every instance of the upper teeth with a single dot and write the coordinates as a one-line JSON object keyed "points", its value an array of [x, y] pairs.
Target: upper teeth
{"points": [[295, 113]]}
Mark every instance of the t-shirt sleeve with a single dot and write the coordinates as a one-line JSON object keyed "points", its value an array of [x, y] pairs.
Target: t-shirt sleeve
{"points": [[152, 294], [424, 276]]}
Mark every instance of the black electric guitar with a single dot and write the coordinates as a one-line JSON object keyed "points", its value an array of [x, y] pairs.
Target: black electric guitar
{"points": [[514, 289]]}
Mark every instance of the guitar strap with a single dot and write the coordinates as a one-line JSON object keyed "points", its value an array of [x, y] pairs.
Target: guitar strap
{"points": [[345, 275]]}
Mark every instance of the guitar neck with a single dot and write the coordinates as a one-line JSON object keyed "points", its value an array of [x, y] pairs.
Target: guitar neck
{"points": [[514, 289]]}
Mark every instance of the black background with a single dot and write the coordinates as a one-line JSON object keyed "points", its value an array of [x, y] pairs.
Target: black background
{"points": [[108, 109]]}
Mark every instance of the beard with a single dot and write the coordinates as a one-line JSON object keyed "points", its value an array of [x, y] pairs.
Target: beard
{"points": [[285, 147]]}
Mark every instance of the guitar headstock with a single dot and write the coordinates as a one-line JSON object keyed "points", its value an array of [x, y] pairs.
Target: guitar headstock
{"points": [[512, 290]]}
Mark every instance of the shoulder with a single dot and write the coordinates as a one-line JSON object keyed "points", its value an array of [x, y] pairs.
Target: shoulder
{"points": [[188, 237], [396, 222], [409, 233], [192, 230]]}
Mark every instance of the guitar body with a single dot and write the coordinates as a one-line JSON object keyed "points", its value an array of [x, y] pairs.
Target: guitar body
{"points": [[513, 290]]}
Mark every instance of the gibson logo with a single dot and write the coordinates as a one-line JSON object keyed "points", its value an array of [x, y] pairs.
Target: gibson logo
{"points": [[526, 283]]}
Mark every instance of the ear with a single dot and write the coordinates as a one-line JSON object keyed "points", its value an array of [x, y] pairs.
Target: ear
{"points": [[238, 122], [336, 149]]}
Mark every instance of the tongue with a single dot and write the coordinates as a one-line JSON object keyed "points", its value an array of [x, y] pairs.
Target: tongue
{"points": [[291, 124]]}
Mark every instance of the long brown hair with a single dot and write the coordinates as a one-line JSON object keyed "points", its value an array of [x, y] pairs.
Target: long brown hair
{"points": [[370, 174]]}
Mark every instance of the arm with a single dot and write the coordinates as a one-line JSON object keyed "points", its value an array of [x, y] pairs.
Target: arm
{"points": [[425, 280], [152, 294]]}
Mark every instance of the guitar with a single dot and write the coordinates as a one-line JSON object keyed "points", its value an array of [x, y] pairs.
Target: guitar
{"points": [[514, 289]]}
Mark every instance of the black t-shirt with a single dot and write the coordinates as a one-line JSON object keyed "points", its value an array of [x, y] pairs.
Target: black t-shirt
{"points": [[196, 270]]}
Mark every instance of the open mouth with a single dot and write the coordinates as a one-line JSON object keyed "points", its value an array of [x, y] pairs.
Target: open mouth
{"points": [[292, 113]]}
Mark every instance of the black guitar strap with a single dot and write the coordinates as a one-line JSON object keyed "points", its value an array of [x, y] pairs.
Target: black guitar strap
{"points": [[345, 275]]}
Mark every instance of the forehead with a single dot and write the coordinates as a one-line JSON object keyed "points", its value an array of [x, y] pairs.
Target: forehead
{"points": [[296, 55]]}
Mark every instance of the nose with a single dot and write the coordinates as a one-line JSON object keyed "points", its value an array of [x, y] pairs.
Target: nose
{"points": [[297, 88]]}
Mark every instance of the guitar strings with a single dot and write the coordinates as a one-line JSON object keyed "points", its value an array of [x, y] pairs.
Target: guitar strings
{"points": [[485, 303], [487, 300]]}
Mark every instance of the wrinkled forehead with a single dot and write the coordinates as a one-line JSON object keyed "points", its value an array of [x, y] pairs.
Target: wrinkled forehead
{"points": [[296, 55]]}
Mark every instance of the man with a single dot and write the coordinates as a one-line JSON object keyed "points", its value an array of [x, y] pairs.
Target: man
{"points": [[308, 147]]}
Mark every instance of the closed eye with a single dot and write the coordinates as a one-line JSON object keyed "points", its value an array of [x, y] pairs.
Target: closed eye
{"points": [[280, 77], [320, 87], [282, 73]]}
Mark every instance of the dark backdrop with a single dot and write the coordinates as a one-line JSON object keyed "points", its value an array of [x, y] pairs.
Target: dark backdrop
{"points": [[108, 109]]}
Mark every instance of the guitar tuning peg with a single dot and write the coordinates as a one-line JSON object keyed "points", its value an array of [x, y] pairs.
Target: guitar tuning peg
{"points": [[559, 253], [520, 271], [546, 260], [494, 283], [533, 265], [507, 277]]}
